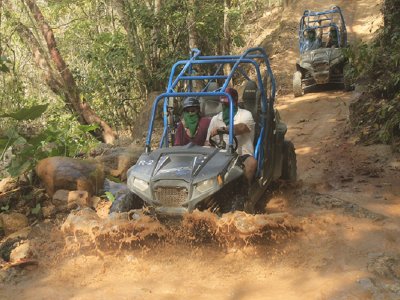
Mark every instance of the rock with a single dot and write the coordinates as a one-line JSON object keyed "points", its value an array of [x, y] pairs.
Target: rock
{"points": [[384, 265], [78, 198], [7, 184], [48, 211], [22, 251], [64, 173], [95, 201], [83, 221], [63, 199], [60, 199], [12, 222], [118, 160], [20, 234], [366, 283]]}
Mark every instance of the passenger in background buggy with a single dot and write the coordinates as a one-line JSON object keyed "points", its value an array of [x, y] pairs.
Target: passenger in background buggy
{"points": [[333, 40]]}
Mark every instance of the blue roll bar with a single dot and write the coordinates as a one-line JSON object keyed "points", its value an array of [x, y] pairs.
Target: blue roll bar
{"points": [[248, 57]]}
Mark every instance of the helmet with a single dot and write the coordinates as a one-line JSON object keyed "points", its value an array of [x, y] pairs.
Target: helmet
{"points": [[190, 102], [233, 93]]}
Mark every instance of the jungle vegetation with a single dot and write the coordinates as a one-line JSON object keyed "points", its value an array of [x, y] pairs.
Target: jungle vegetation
{"points": [[75, 73]]}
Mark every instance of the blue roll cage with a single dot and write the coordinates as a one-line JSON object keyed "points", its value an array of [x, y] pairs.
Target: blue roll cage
{"points": [[310, 18], [185, 74]]}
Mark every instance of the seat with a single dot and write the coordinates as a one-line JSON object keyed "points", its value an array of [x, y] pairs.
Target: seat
{"points": [[210, 105], [251, 98], [251, 102]]}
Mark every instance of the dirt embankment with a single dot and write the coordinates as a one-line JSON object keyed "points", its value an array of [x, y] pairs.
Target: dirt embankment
{"points": [[346, 208]]}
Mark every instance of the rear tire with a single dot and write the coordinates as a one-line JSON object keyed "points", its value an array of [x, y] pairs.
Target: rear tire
{"points": [[289, 163], [297, 86]]}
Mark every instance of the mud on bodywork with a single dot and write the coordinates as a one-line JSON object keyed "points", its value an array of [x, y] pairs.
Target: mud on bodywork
{"points": [[176, 180], [321, 66]]}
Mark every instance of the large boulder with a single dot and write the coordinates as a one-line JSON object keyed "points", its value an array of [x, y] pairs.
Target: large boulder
{"points": [[117, 161], [64, 173]]}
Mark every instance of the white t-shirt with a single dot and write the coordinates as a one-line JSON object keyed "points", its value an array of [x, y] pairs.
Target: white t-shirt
{"points": [[245, 140]]}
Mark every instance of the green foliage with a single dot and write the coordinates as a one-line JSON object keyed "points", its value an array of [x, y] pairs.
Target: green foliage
{"points": [[377, 66], [29, 113], [109, 196], [57, 138], [36, 210], [3, 64], [5, 207], [118, 51]]}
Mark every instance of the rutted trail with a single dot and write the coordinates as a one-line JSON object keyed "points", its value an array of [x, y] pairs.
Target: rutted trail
{"points": [[344, 211]]}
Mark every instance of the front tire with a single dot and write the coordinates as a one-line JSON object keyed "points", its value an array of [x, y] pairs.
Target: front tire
{"points": [[126, 203], [297, 86], [289, 163]]}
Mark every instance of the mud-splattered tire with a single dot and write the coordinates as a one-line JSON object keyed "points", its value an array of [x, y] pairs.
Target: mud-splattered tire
{"points": [[297, 86], [289, 164], [128, 202]]}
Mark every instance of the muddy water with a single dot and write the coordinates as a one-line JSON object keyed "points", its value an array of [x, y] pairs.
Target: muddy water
{"points": [[85, 231]]}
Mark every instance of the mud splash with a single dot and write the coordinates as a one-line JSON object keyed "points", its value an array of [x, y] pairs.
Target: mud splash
{"points": [[85, 231]]}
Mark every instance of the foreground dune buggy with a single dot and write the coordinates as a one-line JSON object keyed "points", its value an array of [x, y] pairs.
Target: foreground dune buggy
{"points": [[173, 180], [327, 63]]}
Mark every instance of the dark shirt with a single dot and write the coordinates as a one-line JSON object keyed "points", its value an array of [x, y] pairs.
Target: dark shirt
{"points": [[312, 45], [332, 43], [181, 137]]}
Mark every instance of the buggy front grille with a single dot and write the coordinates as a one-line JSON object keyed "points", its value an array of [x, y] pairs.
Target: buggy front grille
{"points": [[321, 66], [171, 196]]}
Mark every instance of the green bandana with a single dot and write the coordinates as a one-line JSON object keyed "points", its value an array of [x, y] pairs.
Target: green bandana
{"points": [[225, 113], [191, 121]]}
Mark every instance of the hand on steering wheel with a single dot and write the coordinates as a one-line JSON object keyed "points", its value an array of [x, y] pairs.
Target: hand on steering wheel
{"points": [[221, 143]]}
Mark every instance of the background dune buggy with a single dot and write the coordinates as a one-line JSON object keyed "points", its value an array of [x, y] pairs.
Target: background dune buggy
{"points": [[326, 64]]}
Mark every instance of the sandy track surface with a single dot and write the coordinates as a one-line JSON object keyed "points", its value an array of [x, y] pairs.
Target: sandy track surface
{"points": [[344, 210]]}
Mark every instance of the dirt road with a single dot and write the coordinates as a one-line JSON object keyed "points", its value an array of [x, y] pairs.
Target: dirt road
{"points": [[346, 204]]}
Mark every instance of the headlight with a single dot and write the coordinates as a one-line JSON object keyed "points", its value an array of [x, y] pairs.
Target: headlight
{"points": [[204, 186], [140, 184]]}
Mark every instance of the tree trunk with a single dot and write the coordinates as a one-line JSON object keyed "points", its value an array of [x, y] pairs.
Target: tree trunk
{"points": [[70, 90], [226, 45], [191, 25], [155, 36], [41, 60]]}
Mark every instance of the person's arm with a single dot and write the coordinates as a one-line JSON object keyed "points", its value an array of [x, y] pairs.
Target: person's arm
{"points": [[209, 131]]}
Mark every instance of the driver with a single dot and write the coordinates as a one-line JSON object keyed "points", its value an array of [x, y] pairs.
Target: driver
{"points": [[312, 41], [193, 127], [243, 130]]}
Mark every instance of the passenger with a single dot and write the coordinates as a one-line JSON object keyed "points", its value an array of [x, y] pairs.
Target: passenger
{"points": [[193, 127], [333, 40], [312, 41], [243, 130]]}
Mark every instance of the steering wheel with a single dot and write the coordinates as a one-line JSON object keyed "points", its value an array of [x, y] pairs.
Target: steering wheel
{"points": [[220, 144]]}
